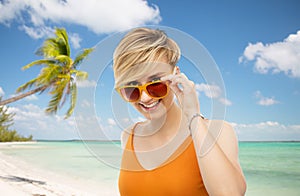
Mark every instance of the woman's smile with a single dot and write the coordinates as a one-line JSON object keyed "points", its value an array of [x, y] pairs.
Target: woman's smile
{"points": [[147, 107]]}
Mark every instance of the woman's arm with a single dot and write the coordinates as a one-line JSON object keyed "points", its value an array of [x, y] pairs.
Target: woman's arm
{"points": [[215, 142], [217, 152]]}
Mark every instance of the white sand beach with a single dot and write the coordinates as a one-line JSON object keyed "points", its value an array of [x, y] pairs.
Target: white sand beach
{"points": [[21, 178]]}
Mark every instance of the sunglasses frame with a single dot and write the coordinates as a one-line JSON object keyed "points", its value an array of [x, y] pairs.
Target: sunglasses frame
{"points": [[143, 88]]}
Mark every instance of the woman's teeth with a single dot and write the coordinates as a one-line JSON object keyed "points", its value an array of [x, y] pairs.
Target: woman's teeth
{"points": [[148, 106]]}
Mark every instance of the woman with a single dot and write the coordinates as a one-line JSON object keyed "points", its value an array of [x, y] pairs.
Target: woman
{"points": [[173, 151]]}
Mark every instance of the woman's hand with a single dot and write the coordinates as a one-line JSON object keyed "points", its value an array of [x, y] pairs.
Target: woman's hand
{"points": [[185, 92]]}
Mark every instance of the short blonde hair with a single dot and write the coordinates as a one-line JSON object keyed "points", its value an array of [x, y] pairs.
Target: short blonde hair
{"points": [[142, 46]]}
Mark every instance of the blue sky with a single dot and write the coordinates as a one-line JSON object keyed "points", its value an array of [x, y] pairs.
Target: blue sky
{"points": [[255, 44]]}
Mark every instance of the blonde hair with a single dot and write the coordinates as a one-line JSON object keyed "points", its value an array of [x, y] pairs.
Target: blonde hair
{"points": [[139, 49]]}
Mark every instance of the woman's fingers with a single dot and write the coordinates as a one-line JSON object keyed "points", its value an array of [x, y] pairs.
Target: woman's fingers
{"points": [[179, 79], [168, 77], [175, 88], [185, 92]]}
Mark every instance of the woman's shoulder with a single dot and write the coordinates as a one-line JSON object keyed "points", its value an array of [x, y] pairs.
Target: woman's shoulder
{"points": [[221, 125], [225, 136], [222, 130], [125, 135]]}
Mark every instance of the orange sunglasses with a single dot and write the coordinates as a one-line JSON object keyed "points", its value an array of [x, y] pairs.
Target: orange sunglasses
{"points": [[156, 89]]}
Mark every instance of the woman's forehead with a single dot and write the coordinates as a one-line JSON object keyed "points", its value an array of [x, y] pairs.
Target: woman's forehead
{"points": [[150, 77], [147, 71], [143, 72]]}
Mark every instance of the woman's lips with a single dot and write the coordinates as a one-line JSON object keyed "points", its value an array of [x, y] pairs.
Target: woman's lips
{"points": [[151, 106]]}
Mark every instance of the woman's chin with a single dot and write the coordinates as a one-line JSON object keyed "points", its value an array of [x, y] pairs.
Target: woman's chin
{"points": [[156, 110]]}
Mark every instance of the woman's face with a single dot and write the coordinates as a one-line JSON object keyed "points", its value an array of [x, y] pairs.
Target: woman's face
{"points": [[153, 108]]}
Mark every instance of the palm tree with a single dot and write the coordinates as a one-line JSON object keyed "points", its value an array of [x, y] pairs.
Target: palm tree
{"points": [[58, 76]]}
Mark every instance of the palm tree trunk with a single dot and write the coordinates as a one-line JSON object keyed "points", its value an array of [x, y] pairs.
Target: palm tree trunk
{"points": [[21, 96]]}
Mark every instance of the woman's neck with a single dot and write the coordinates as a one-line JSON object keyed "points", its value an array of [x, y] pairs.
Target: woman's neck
{"points": [[165, 126]]}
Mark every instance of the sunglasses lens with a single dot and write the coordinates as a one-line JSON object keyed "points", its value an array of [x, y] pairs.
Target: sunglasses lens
{"points": [[157, 90], [130, 93]]}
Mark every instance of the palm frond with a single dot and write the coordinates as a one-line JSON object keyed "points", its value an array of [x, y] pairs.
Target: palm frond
{"points": [[63, 77], [73, 100], [58, 92], [67, 80], [64, 60], [58, 73], [38, 62], [81, 56], [49, 49], [54, 103], [27, 85], [55, 46], [67, 92], [63, 40], [80, 75], [49, 74]]}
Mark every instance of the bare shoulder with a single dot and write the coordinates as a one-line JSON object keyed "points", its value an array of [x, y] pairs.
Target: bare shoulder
{"points": [[125, 135], [226, 137], [223, 130]]}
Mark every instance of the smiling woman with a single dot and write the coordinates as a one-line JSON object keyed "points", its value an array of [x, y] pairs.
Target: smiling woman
{"points": [[163, 155]]}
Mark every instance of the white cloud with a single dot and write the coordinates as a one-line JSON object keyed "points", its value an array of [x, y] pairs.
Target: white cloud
{"points": [[225, 101], [111, 121], [75, 40], [125, 120], [92, 127], [296, 92], [30, 119], [267, 131], [10, 11], [35, 16], [2, 93], [85, 104], [211, 91], [265, 101], [31, 98], [37, 32], [275, 57], [86, 83]]}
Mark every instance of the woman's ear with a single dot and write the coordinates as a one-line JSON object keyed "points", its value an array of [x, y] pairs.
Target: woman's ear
{"points": [[177, 70]]}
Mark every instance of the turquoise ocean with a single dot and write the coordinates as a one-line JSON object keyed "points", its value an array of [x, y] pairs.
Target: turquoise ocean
{"points": [[270, 168]]}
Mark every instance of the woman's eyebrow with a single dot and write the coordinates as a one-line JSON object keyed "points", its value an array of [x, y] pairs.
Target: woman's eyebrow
{"points": [[133, 83], [157, 75]]}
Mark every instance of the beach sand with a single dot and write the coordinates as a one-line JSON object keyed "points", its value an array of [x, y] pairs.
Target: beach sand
{"points": [[21, 178]]}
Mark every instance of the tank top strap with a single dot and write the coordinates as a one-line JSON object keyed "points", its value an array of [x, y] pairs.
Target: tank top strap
{"points": [[130, 162], [129, 141]]}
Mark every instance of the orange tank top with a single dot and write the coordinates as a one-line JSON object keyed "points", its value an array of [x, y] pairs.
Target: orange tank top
{"points": [[180, 175]]}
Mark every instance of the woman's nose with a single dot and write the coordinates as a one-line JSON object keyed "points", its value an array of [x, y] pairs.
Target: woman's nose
{"points": [[145, 97]]}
